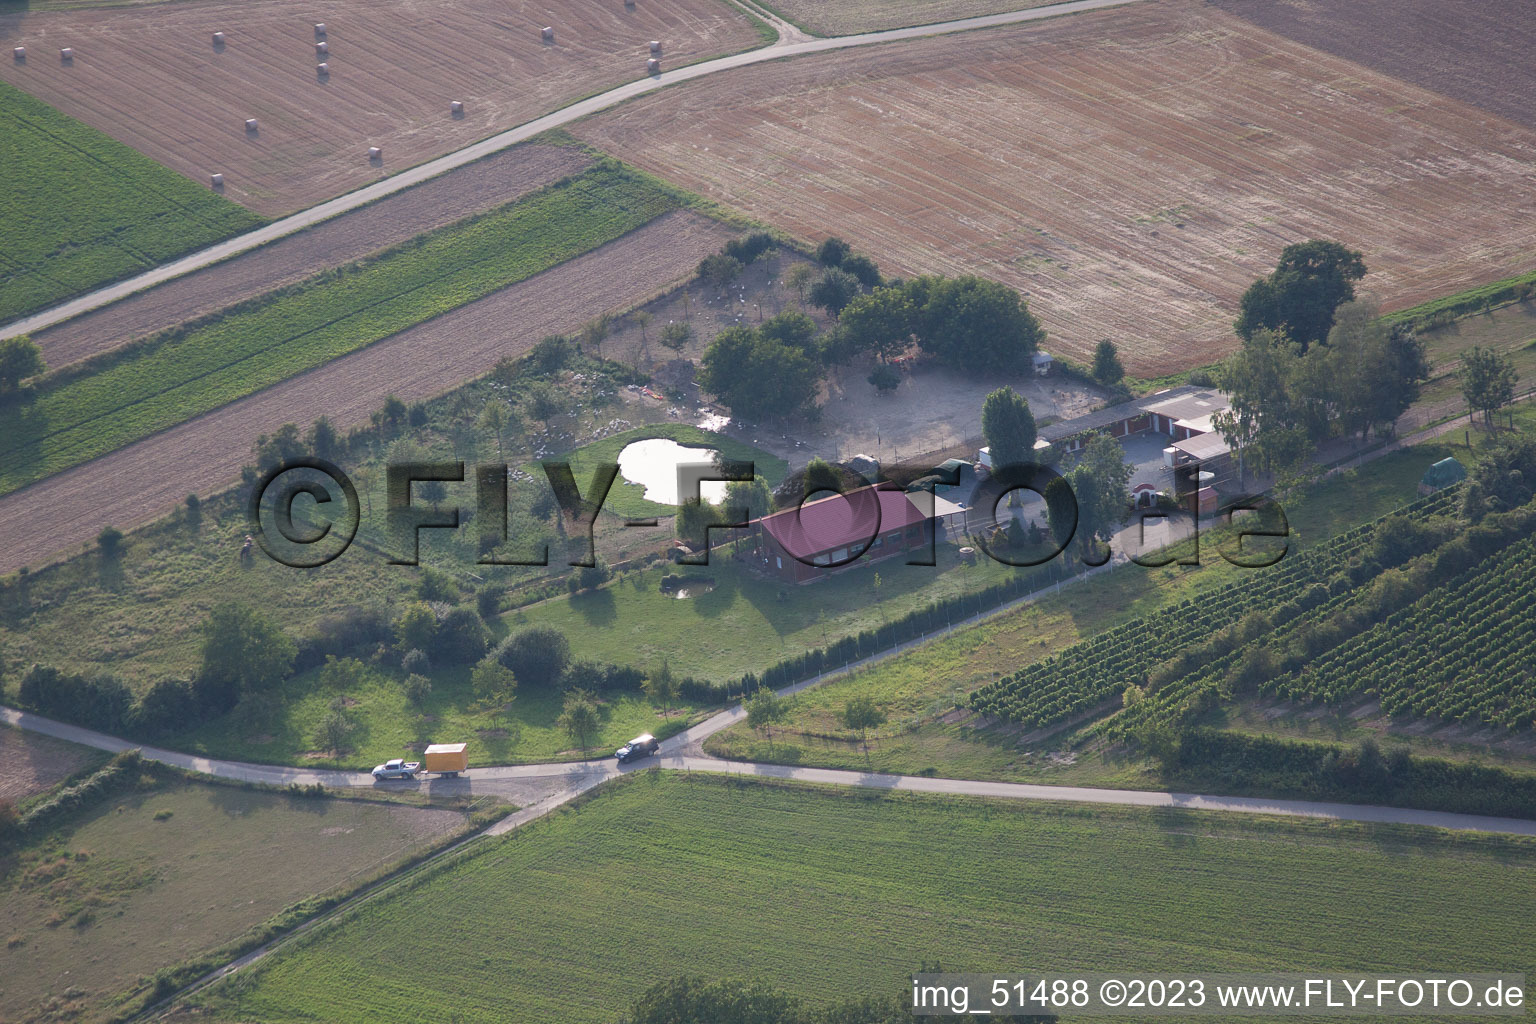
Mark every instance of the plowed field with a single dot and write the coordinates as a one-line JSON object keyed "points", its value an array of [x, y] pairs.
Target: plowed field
{"points": [[152, 77], [139, 482], [1131, 170]]}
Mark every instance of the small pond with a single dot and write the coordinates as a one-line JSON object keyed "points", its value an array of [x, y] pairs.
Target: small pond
{"points": [[653, 463]]}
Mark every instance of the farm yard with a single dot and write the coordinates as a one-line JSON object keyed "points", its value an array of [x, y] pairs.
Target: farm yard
{"points": [[170, 870], [832, 894], [152, 77], [845, 17], [149, 476], [1132, 177], [80, 210], [474, 189], [1479, 53]]}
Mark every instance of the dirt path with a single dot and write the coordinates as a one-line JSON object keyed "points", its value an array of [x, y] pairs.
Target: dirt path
{"points": [[135, 484], [481, 186]]}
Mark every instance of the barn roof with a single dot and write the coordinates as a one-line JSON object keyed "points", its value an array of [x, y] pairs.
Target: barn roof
{"points": [[840, 521]]}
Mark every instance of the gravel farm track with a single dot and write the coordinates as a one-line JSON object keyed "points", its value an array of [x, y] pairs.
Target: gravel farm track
{"points": [[1479, 53], [150, 76], [480, 186], [1131, 176], [135, 483]]}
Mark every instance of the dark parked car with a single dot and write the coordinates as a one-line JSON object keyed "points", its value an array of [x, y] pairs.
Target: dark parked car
{"points": [[640, 746]]}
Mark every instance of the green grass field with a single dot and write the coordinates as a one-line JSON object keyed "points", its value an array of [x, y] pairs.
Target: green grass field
{"points": [[186, 372], [832, 893], [80, 210], [158, 875]]}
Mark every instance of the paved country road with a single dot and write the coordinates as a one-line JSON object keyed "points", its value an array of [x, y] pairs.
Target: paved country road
{"points": [[791, 43], [569, 779]]}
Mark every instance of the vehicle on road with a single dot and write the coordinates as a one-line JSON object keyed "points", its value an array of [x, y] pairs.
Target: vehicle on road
{"points": [[399, 768], [641, 746], [447, 759]]}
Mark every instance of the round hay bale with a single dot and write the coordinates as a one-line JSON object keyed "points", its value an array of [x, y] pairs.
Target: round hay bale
{"points": [[67, 54], [548, 34], [323, 69], [455, 107], [217, 180], [653, 66], [656, 47], [250, 124], [218, 39], [321, 49], [319, 30], [375, 153], [20, 53]]}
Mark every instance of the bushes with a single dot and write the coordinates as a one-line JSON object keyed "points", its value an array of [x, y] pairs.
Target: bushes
{"points": [[97, 702], [167, 706], [537, 656], [461, 637], [119, 773]]}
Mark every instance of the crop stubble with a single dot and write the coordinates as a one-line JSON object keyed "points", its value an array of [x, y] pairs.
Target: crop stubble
{"points": [[149, 76], [1130, 170], [136, 483]]}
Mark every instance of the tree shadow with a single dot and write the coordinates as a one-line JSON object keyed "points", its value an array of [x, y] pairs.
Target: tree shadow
{"points": [[598, 607]]}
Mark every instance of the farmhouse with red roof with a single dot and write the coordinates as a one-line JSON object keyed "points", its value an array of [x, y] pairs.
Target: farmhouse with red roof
{"points": [[804, 544]]}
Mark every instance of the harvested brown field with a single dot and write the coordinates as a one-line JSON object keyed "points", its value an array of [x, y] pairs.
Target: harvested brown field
{"points": [[1133, 175], [31, 764], [846, 17], [139, 482], [1476, 51], [151, 77], [498, 179]]}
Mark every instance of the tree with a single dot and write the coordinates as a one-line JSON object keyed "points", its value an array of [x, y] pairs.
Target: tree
{"points": [[538, 655], [882, 322], [694, 518], [1309, 283], [718, 270], [661, 687], [594, 332], [543, 402], [494, 685], [799, 278], [1488, 381], [765, 709], [20, 358], [334, 731], [416, 628], [418, 689], [244, 651], [1100, 481], [1367, 375], [973, 324], [551, 354], [821, 475], [110, 541], [884, 378], [676, 336], [461, 637], [434, 492], [367, 476], [579, 718], [863, 268], [1009, 428], [1107, 368], [791, 328], [642, 319], [833, 252], [285, 444], [834, 290], [754, 496], [1263, 422], [323, 439], [494, 419], [862, 714], [757, 376]]}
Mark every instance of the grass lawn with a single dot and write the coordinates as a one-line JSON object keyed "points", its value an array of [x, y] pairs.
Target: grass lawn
{"points": [[80, 210], [172, 378], [155, 876], [746, 622], [628, 499], [833, 893], [388, 726]]}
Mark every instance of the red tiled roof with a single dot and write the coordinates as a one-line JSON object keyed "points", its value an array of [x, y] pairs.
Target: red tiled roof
{"points": [[839, 522]]}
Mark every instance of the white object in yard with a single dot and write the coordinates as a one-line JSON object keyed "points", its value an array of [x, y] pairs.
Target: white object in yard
{"points": [[985, 457], [1169, 455]]}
